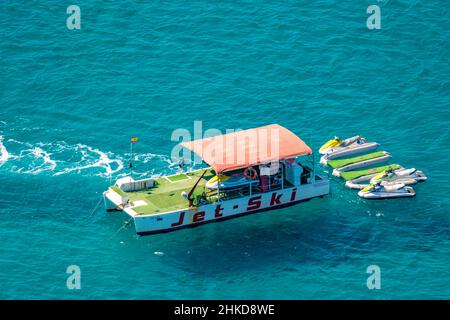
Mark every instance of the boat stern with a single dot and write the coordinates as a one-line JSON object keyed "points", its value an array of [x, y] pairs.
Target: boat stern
{"points": [[113, 200]]}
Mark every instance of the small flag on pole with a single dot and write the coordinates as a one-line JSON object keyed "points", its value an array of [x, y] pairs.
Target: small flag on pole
{"points": [[134, 139]]}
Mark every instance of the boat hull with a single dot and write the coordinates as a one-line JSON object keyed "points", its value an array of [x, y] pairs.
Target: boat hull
{"points": [[223, 210], [194, 225]]}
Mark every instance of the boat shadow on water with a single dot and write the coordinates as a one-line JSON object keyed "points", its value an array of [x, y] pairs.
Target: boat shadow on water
{"points": [[300, 235]]}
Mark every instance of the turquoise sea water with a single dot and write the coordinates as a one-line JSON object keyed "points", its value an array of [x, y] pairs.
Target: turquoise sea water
{"points": [[71, 99]]}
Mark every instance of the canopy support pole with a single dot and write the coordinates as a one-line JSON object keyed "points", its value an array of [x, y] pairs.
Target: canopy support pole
{"points": [[313, 179], [218, 187], [189, 197]]}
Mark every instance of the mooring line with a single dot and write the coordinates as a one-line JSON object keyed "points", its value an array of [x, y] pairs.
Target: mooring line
{"points": [[95, 209], [126, 223]]}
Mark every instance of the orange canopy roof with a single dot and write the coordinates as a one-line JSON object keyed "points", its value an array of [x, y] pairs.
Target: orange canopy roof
{"points": [[242, 149]]}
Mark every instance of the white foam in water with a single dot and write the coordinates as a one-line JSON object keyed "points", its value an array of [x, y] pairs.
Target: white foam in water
{"points": [[40, 161], [20, 142], [148, 164], [4, 154], [60, 158], [103, 161], [147, 157], [48, 164]]}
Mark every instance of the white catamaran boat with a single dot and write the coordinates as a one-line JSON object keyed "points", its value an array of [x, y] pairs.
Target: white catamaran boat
{"points": [[190, 199]]}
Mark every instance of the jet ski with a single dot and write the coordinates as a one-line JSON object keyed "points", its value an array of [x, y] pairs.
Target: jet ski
{"points": [[358, 183], [388, 177], [222, 181], [336, 148], [336, 142], [353, 149], [354, 174], [406, 176], [378, 191]]}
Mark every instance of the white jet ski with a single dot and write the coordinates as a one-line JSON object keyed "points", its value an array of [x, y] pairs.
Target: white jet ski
{"points": [[405, 176], [336, 148], [336, 142], [222, 181], [358, 183], [388, 177], [378, 191]]}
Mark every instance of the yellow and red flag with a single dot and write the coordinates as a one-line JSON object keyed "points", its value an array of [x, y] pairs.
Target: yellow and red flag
{"points": [[134, 139]]}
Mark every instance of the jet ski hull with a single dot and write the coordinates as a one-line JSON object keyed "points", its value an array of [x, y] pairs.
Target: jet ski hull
{"points": [[406, 181], [353, 149], [235, 181], [358, 182], [328, 145], [404, 192], [333, 143], [351, 175], [405, 176]]}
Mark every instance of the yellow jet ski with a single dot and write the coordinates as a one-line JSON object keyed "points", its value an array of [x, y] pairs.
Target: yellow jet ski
{"points": [[405, 176], [337, 143], [229, 182], [379, 191], [214, 181], [337, 148], [388, 177], [333, 143]]}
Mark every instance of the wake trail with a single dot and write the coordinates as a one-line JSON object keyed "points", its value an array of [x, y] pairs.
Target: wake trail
{"points": [[4, 154], [60, 158]]}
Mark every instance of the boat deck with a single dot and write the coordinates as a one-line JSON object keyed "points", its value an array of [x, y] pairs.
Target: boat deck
{"points": [[166, 196]]}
